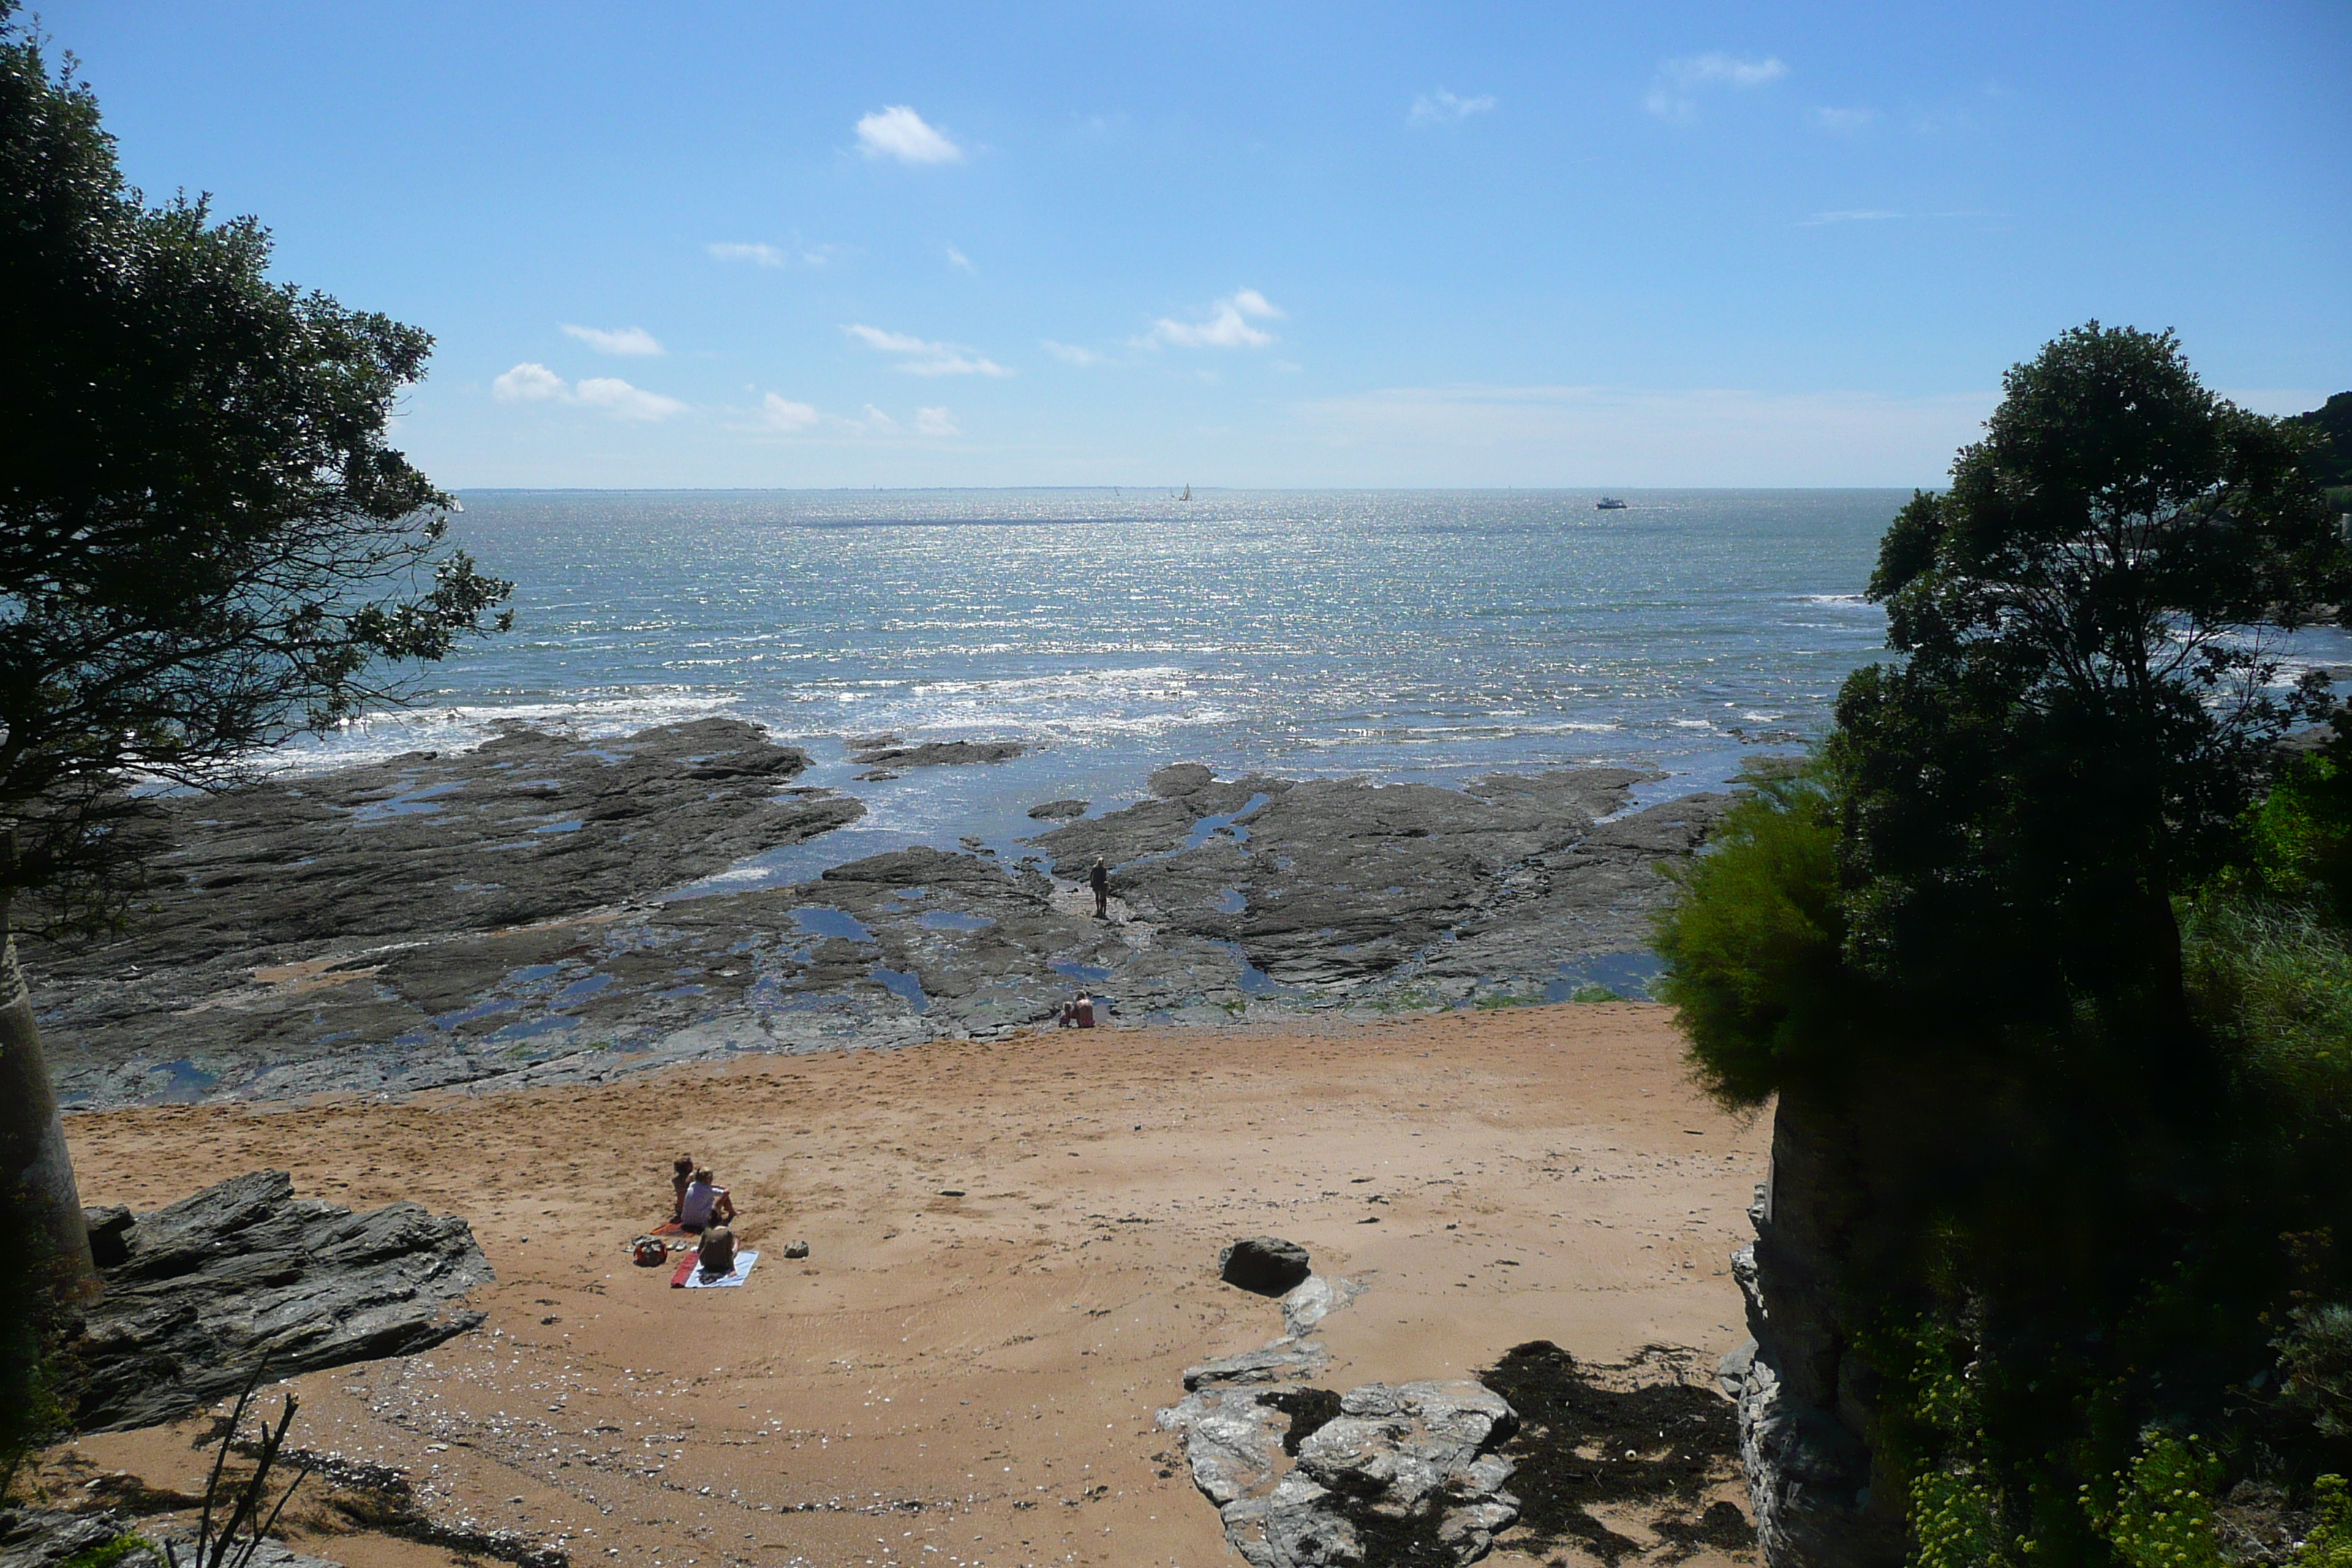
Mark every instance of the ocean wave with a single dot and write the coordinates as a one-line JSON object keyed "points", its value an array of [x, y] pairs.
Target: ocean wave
{"points": [[381, 736]]}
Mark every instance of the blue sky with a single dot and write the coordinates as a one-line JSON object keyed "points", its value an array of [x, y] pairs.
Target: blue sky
{"points": [[756, 245]]}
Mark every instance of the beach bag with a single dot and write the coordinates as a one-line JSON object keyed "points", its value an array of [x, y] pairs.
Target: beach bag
{"points": [[649, 1252]]}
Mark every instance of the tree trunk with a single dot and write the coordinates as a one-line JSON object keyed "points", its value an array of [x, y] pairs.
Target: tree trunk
{"points": [[41, 1231]]}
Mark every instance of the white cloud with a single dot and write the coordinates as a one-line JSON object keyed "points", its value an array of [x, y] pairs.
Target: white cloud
{"points": [[1844, 121], [958, 258], [1442, 107], [619, 341], [935, 422], [890, 342], [926, 358], [1228, 326], [786, 415], [528, 382], [1070, 353], [1701, 70], [620, 400], [899, 132], [1672, 95], [954, 363], [736, 251], [532, 383], [877, 423]]}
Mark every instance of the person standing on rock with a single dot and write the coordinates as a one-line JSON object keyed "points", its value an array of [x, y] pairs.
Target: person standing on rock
{"points": [[1099, 880]]}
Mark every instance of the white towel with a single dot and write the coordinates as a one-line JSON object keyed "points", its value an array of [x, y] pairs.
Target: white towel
{"points": [[696, 1280]]}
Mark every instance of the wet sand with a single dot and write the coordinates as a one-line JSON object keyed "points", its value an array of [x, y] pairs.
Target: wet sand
{"points": [[972, 1379]]}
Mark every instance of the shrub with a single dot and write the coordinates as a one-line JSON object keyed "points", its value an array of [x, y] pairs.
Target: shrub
{"points": [[2299, 837], [2329, 1544], [1752, 939], [2161, 1515], [2273, 983], [106, 1555], [2316, 1364]]}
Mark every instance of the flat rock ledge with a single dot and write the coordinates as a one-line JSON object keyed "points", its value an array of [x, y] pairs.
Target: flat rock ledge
{"points": [[52, 1538], [546, 910], [245, 1274], [1305, 1477]]}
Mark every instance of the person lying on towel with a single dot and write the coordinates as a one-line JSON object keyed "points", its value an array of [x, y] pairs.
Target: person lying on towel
{"points": [[718, 1253], [706, 1203]]}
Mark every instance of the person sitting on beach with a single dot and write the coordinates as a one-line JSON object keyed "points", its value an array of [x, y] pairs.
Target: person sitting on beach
{"points": [[717, 1254], [1078, 1013], [705, 1202], [684, 1168]]}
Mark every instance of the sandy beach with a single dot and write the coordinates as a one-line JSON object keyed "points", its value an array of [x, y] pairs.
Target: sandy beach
{"points": [[1013, 1251]]}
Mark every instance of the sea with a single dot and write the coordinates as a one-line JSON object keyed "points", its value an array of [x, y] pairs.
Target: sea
{"points": [[1424, 636]]}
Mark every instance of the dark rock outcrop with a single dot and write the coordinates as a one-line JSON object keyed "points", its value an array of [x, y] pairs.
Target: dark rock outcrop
{"points": [[935, 753], [1058, 810], [49, 1538], [297, 918], [1335, 883], [1822, 1497], [1266, 1264], [545, 911], [244, 1275]]}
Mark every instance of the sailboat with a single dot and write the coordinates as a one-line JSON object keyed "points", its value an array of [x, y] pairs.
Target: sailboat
{"points": [[1188, 492]]}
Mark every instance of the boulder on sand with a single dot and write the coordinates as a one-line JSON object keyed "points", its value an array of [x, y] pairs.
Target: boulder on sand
{"points": [[245, 1274], [1264, 1264]]}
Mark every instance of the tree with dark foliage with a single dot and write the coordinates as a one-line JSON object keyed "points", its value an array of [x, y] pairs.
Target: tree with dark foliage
{"points": [[2088, 702], [2330, 457], [206, 545], [2049, 1178]]}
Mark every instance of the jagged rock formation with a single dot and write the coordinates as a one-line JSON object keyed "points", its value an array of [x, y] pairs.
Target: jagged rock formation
{"points": [[1390, 1474], [1304, 1477], [245, 1274], [48, 1538]]}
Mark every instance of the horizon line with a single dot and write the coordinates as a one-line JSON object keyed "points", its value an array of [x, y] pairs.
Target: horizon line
{"points": [[1198, 490]]}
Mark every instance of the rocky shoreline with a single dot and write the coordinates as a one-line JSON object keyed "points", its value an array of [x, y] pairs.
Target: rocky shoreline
{"points": [[496, 917]]}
